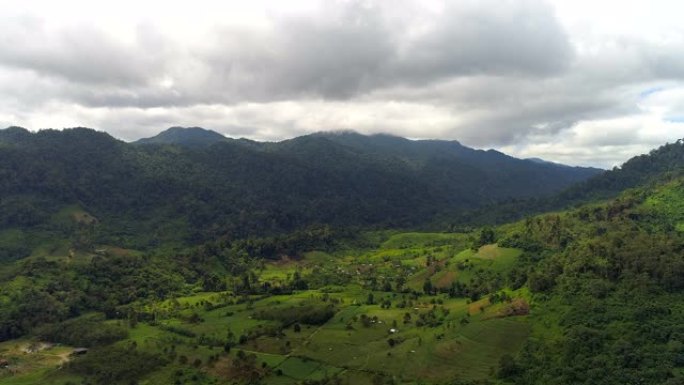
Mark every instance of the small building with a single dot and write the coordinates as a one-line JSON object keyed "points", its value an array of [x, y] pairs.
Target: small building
{"points": [[79, 351], [393, 330]]}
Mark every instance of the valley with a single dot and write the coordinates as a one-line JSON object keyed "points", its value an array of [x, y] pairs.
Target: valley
{"points": [[367, 316], [587, 293]]}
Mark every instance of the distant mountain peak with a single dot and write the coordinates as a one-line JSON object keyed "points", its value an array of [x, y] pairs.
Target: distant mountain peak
{"points": [[537, 160], [14, 134], [16, 129], [185, 136]]}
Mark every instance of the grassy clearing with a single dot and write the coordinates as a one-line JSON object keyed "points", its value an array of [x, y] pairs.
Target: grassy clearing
{"points": [[409, 240], [73, 214], [33, 363]]}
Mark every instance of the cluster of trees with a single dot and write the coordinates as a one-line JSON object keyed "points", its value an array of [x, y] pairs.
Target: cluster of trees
{"points": [[54, 291], [310, 314], [116, 365], [83, 332]]}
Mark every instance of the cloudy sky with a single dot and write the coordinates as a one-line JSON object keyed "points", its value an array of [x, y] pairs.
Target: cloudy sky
{"points": [[574, 81]]}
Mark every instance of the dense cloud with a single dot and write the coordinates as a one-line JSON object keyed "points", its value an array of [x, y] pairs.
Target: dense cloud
{"points": [[527, 76]]}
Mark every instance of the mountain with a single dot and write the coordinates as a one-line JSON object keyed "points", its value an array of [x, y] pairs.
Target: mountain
{"points": [[283, 262], [184, 190], [471, 177], [639, 170], [185, 136], [664, 162]]}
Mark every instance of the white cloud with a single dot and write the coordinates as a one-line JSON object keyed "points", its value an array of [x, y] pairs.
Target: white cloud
{"points": [[608, 142], [582, 82]]}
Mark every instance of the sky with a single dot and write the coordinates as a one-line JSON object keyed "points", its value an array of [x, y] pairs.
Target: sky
{"points": [[579, 82]]}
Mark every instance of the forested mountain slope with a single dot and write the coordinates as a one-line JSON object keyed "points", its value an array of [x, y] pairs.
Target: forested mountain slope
{"points": [[608, 283], [201, 186], [643, 169]]}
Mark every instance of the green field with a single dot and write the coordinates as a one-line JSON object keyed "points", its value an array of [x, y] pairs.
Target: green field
{"points": [[403, 333]]}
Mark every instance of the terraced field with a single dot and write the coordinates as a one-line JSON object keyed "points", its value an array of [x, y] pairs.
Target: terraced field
{"points": [[379, 323]]}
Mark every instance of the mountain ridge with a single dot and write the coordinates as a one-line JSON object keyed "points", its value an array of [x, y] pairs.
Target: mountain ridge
{"points": [[198, 136], [242, 187]]}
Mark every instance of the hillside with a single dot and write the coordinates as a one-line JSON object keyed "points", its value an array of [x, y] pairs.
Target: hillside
{"points": [[639, 170], [592, 295], [666, 161], [199, 188], [608, 279]]}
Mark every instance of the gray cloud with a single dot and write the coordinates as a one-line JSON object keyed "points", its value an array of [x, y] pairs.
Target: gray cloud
{"points": [[494, 38], [331, 56], [357, 49], [81, 54], [488, 73], [346, 51]]}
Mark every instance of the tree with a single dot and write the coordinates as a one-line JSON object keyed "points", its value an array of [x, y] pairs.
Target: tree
{"points": [[507, 367], [400, 281], [213, 282], [427, 287], [486, 237]]}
